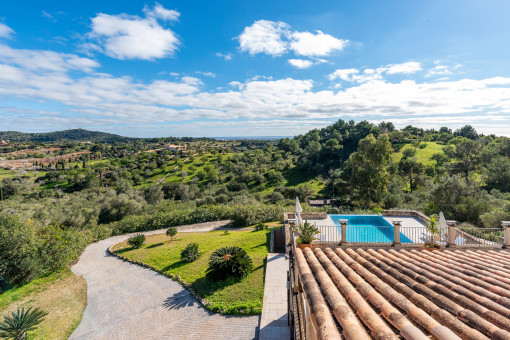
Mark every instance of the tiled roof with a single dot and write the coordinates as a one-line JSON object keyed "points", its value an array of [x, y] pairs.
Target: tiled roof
{"points": [[411, 294]]}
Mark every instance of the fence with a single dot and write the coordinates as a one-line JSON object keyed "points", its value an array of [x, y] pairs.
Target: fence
{"points": [[409, 236], [479, 237]]}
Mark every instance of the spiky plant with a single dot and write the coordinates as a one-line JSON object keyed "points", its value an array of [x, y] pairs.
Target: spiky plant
{"points": [[229, 262], [17, 325], [191, 252], [136, 241]]}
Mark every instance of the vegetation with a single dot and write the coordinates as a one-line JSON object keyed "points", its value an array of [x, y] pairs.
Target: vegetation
{"points": [[229, 262], [63, 295], [136, 241], [71, 188], [231, 296], [171, 232], [19, 324], [260, 226], [191, 252], [306, 232]]}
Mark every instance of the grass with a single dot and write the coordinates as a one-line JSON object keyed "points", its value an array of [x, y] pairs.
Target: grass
{"points": [[63, 295], [422, 155], [227, 297]]}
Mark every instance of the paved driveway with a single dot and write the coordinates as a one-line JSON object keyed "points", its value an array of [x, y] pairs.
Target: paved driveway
{"points": [[126, 301]]}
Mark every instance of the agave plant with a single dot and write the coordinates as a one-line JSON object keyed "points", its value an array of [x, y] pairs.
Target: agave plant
{"points": [[229, 262], [17, 325]]}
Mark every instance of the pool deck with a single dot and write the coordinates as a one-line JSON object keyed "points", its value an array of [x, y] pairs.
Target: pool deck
{"points": [[412, 228]]}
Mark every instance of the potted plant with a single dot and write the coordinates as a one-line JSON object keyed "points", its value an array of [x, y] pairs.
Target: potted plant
{"points": [[432, 226], [306, 232]]}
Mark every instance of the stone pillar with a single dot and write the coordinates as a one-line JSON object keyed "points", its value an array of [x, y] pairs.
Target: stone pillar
{"points": [[452, 233], [343, 225], [506, 233], [396, 233]]}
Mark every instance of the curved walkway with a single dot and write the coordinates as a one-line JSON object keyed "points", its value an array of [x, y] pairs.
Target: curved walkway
{"points": [[126, 301]]}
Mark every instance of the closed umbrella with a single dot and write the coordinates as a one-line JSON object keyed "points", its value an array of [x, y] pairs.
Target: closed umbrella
{"points": [[299, 221]]}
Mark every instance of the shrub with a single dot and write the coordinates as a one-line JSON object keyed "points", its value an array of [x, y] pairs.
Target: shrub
{"points": [[136, 241], [18, 325], [260, 226], [172, 231], [306, 232], [229, 262], [191, 252]]}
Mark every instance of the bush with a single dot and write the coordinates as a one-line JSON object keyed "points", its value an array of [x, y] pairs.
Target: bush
{"points": [[172, 231], [229, 262], [260, 226], [136, 241], [191, 252]]}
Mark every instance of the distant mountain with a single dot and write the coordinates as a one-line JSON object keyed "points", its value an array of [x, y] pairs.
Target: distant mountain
{"points": [[80, 135]]}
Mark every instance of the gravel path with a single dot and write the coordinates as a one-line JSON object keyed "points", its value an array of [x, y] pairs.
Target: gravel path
{"points": [[126, 301]]}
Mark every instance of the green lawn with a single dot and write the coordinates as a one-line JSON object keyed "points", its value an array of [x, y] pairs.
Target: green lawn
{"points": [[63, 295], [423, 155], [227, 297]]}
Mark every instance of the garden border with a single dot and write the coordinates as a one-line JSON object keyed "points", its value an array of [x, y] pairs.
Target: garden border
{"points": [[186, 285]]}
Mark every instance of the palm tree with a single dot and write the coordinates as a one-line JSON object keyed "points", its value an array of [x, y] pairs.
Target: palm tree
{"points": [[17, 325]]}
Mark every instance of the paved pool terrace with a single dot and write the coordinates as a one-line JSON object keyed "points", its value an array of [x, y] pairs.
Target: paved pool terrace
{"points": [[412, 230]]}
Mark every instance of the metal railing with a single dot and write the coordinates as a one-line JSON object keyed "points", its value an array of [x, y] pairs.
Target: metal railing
{"points": [[410, 236], [479, 237]]}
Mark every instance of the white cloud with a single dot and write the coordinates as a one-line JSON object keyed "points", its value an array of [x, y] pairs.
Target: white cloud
{"points": [[5, 31], [159, 12], [276, 38], [264, 37], [343, 74], [318, 44], [100, 100], [131, 37], [45, 61], [207, 74], [405, 68], [300, 63], [227, 56], [369, 74]]}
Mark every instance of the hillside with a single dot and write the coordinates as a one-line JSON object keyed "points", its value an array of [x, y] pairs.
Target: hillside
{"points": [[81, 135], [423, 155]]}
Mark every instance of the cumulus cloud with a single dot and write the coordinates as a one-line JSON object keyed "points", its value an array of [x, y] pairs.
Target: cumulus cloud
{"points": [[97, 100], [264, 37], [277, 38], [159, 12], [5, 31], [313, 45], [131, 37], [300, 63]]}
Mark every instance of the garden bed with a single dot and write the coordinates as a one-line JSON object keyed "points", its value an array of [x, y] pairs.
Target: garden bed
{"points": [[226, 297]]}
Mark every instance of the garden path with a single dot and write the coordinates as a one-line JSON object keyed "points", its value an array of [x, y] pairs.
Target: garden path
{"points": [[126, 301]]}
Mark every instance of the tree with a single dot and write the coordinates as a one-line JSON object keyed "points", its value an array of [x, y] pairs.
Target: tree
{"points": [[467, 131], [153, 194], [366, 170], [18, 325], [467, 155], [498, 174], [411, 169], [172, 231]]}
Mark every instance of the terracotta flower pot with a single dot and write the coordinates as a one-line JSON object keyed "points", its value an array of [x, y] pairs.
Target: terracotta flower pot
{"points": [[303, 245]]}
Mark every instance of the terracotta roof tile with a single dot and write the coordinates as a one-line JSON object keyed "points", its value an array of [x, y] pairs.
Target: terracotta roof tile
{"points": [[388, 293]]}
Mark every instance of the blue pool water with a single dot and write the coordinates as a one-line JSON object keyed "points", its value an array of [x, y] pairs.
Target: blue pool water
{"points": [[368, 228]]}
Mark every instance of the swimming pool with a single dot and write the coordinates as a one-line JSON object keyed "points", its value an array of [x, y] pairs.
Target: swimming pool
{"points": [[368, 229]]}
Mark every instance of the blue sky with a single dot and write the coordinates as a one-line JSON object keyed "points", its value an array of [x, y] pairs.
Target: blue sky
{"points": [[226, 68]]}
